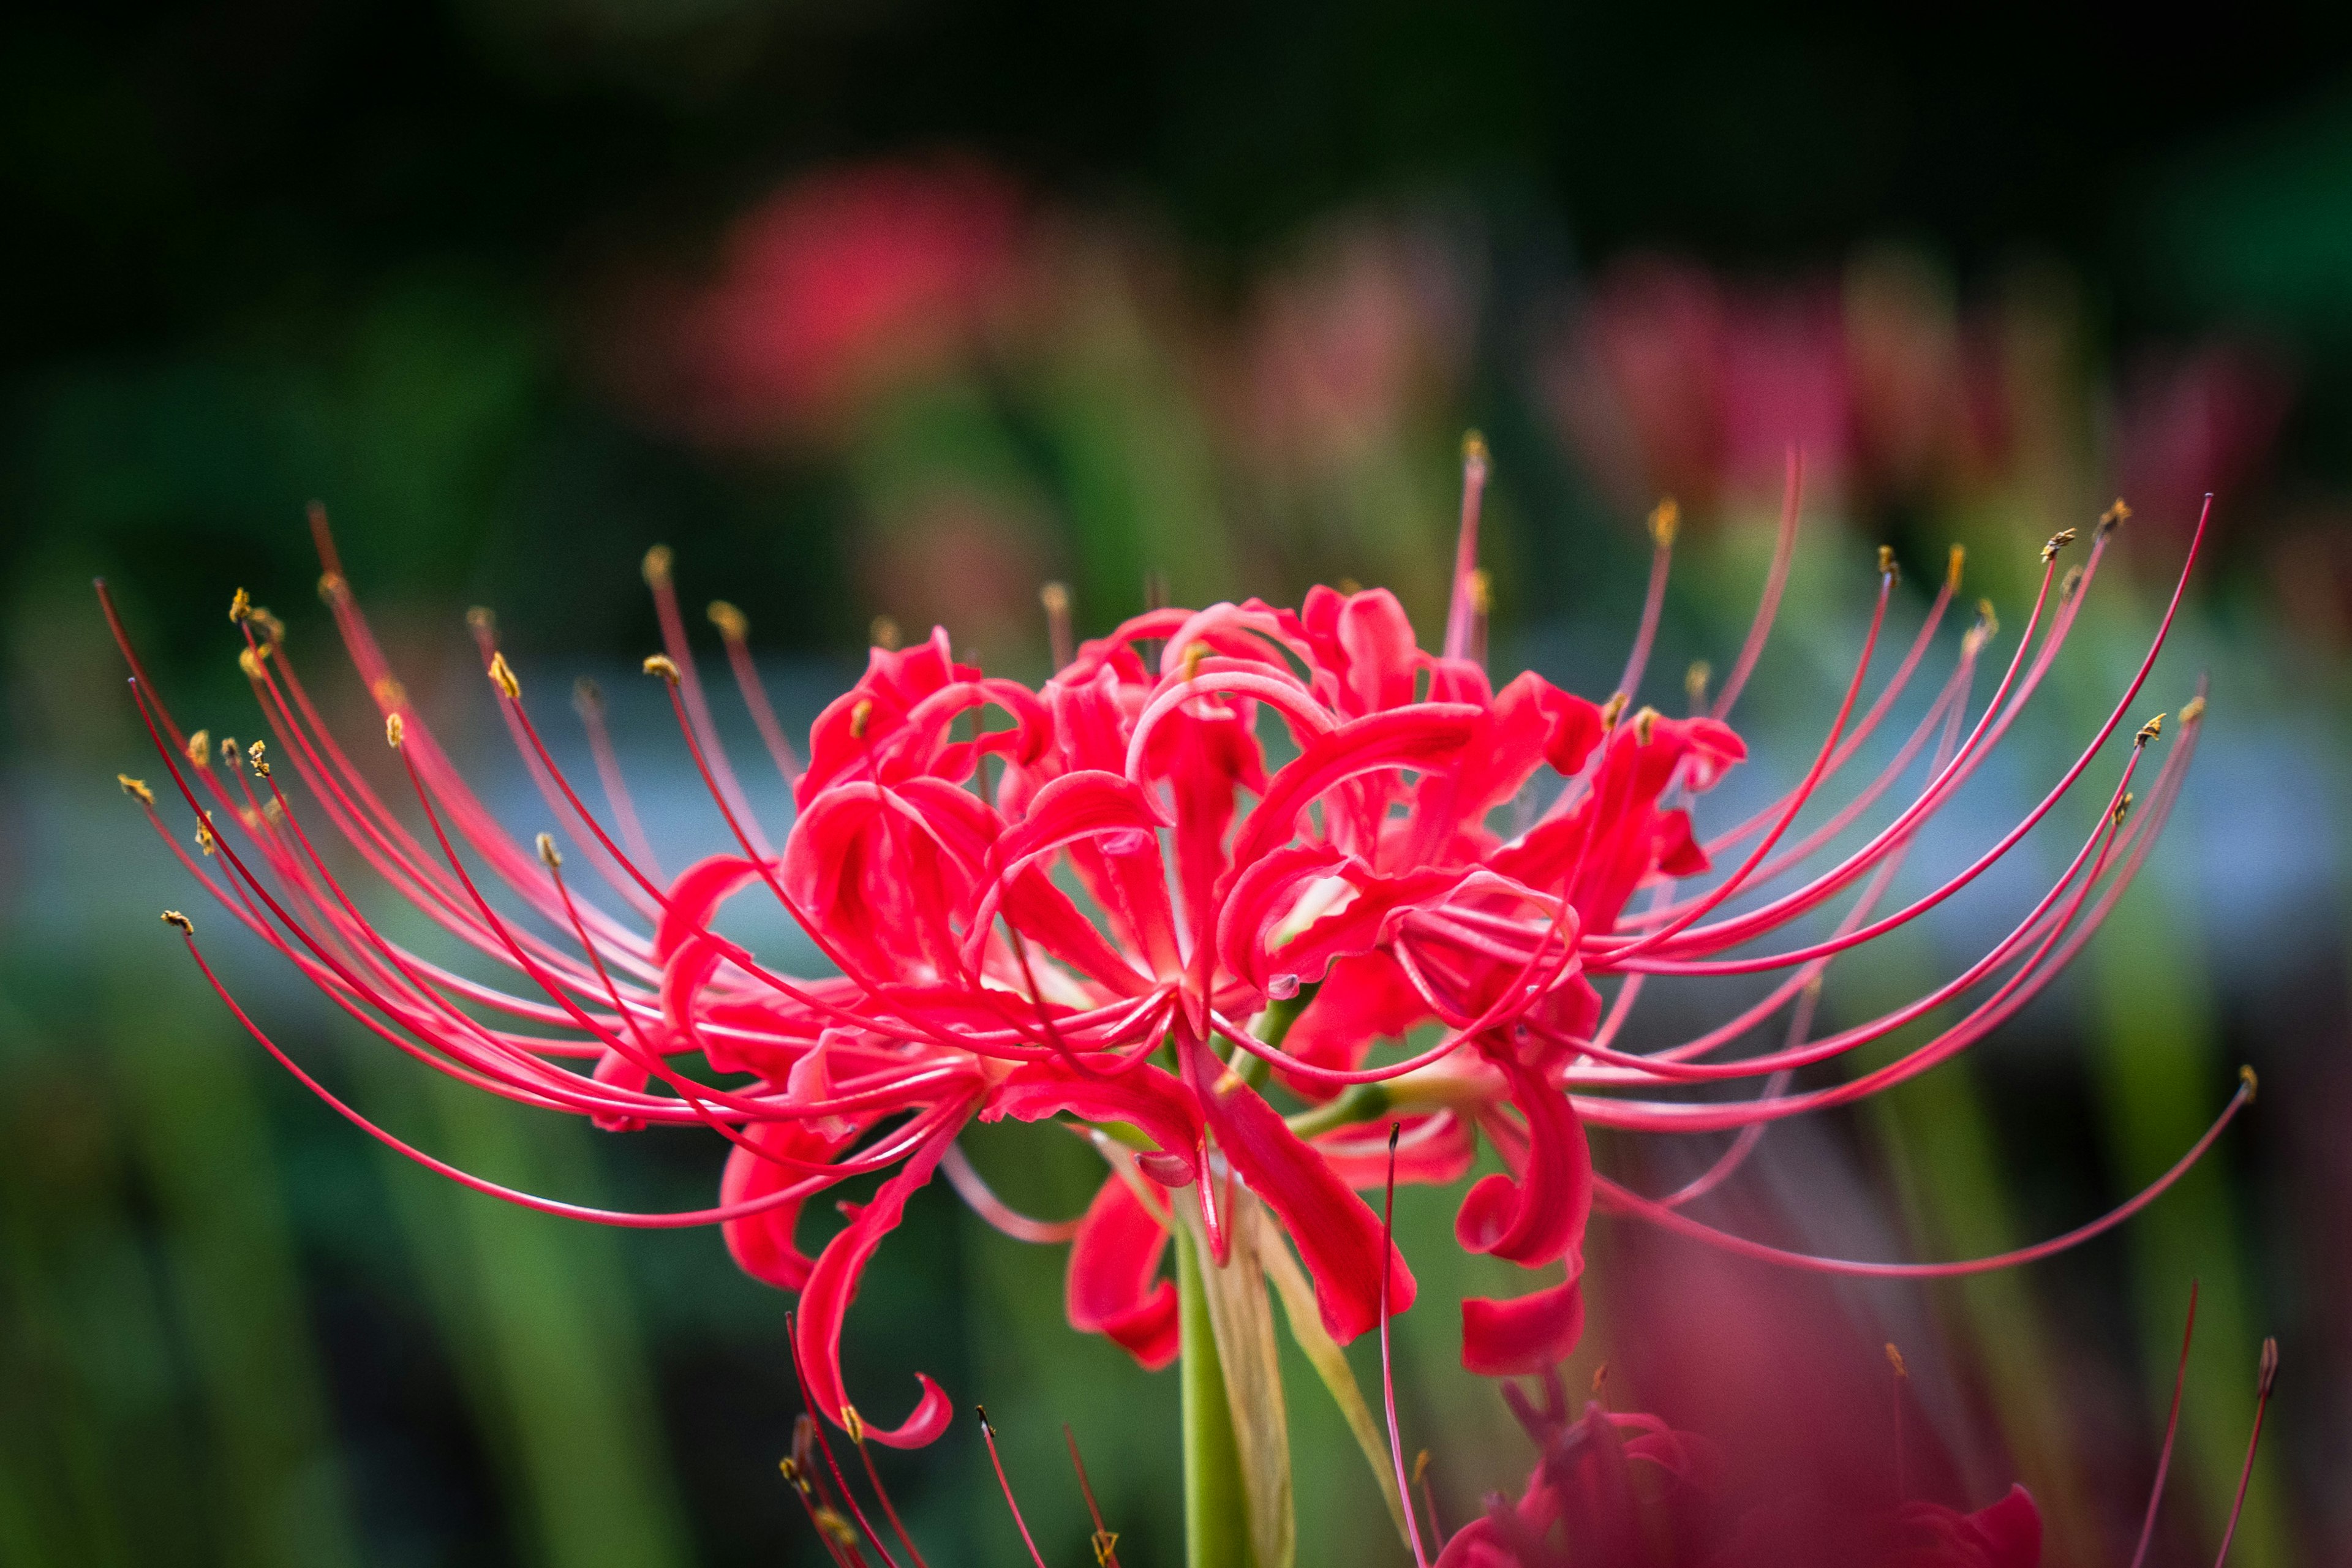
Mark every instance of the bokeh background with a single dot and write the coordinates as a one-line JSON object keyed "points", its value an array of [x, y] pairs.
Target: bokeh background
{"points": [[899, 309]]}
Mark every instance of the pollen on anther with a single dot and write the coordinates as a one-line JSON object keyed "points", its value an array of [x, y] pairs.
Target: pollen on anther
{"points": [[200, 749], [1895, 1360], [2192, 710], [332, 588], [2058, 542], [730, 621], [1666, 521], [1482, 590], [2123, 808], [853, 1423], [1958, 559], [248, 659], [860, 715], [185, 926], [394, 731], [2253, 1084], [1886, 566], [656, 567], [136, 788], [240, 606], [660, 664], [1645, 724], [205, 840], [1614, 710], [549, 854], [502, 676], [1474, 450], [2149, 730]]}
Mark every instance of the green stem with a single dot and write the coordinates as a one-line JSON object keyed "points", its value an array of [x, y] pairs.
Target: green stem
{"points": [[1216, 1517]]}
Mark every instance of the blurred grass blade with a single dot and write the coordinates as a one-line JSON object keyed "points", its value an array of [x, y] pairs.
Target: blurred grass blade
{"points": [[1330, 1364], [1216, 1519]]}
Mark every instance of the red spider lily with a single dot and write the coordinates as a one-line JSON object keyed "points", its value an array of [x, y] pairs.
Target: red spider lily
{"points": [[1050, 903]]}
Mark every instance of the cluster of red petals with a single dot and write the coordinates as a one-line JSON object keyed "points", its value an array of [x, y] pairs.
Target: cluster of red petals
{"points": [[1616, 1491], [1196, 876]]}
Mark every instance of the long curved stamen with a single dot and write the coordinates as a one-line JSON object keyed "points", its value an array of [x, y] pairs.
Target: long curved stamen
{"points": [[988, 1433], [1105, 1542], [1665, 519], [1388, 1368], [2171, 1429], [1461, 609], [724, 784], [734, 631], [1776, 581], [2266, 1375], [983, 1202]]}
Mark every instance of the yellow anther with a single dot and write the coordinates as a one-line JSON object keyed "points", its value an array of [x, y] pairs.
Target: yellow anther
{"points": [[1614, 710], [1952, 566], [1666, 521], [1055, 597], [549, 855], [200, 749], [1887, 567], [228, 750], [1227, 1081], [388, 692], [659, 664], [250, 660], [394, 731], [332, 588], [1694, 680], [1895, 1360], [502, 676], [1599, 1379], [1420, 1466], [136, 789], [2252, 1084], [2149, 730], [1473, 449], [273, 810], [853, 1423], [1482, 591], [656, 567], [2115, 516], [2058, 542], [272, 628], [1193, 655], [240, 606], [1106, 1544], [861, 714], [174, 918], [255, 753], [729, 620], [884, 634], [2123, 808], [2192, 710], [791, 1469], [205, 839], [835, 1528], [1645, 724]]}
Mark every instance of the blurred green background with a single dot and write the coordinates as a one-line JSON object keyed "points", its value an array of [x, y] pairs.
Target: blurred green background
{"points": [[899, 309]]}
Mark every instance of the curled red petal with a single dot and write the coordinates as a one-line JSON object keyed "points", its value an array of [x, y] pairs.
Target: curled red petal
{"points": [[1522, 1334], [1144, 1096], [1540, 1216], [1423, 737], [832, 1286], [762, 1243], [1337, 1233], [619, 1072], [697, 894], [1113, 1287]]}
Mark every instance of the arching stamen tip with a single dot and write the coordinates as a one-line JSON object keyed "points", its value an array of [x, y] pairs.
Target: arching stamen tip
{"points": [[2149, 730], [2266, 1367], [1666, 521], [1105, 1545], [656, 566], [861, 714], [1887, 567], [1895, 1359], [1396, 1130], [883, 633], [2253, 1084], [481, 620], [549, 855], [1958, 559], [2114, 516], [2058, 542], [1420, 1466], [394, 731], [332, 589], [502, 676], [981, 1411], [136, 788], [730, 621], [248, 659], [1645, 724], [200, 749], [835, 1529], [1055, 597], [273, 630], [1482, 590], [853, 1423], [2192, 710], [2123, 808], [179, 922], [257, 755], [240, 606], [1475, 458], [1614, 710], [659, 664]]}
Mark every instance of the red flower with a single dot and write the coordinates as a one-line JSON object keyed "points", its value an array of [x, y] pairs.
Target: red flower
{"points": [[1111, 897]]}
